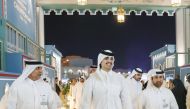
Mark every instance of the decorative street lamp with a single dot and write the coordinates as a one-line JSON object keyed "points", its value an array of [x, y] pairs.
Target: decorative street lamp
{"points": [[175, 2], [120, 14], [82, 2]]}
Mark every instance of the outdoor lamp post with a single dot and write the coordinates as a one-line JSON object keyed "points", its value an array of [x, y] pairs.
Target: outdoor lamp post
{"points": [[82, 2], [120, 15], [175, 2]]}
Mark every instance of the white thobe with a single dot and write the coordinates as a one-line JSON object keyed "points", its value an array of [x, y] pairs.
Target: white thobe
{"points": [[135, 88], [188, 98], [154, 98], [79, 87], [31, 95], [186, 84], [105, 90], [73, 95]]}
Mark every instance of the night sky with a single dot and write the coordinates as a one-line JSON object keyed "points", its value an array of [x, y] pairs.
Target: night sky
{"points": [[132, 41]]}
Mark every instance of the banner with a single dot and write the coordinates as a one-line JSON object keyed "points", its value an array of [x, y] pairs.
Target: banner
{"points": [[1, 7], [22, 15]]}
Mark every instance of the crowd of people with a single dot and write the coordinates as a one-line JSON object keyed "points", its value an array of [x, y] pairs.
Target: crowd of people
{"points": [[103, 89]]}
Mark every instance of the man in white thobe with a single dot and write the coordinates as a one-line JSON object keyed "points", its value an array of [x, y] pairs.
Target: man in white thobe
{"points": [[105, 89], [92, 69], [134, 85], [29, 91], [186, 83], [188, 93], [155, 96], [79, 87], [72, 101]]}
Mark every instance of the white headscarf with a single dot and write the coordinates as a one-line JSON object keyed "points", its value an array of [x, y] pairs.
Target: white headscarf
{"points": [[26, 72], [134, 72], [103, 55], [151, 73]]}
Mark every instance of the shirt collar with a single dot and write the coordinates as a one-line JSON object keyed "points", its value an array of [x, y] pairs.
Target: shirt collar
{"points": [[157, 89], [105, 73], [30, 81]]}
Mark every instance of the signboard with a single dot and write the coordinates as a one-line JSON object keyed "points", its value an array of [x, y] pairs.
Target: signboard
{"points": [[1, 7], [22, 15], [1, 55]]}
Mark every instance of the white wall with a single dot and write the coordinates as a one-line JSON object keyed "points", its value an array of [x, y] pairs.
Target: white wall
{"points": [[58, 65], [40, 26], [182, 34]]}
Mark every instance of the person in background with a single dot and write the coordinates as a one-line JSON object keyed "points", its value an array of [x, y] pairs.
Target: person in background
{"points": [[188, 93], [57, 88], [72, 92], [134, 85], [179, 92], [79, 88]]}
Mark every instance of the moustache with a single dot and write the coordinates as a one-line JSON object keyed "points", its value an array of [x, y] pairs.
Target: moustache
{"points": [[159, 82]]}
